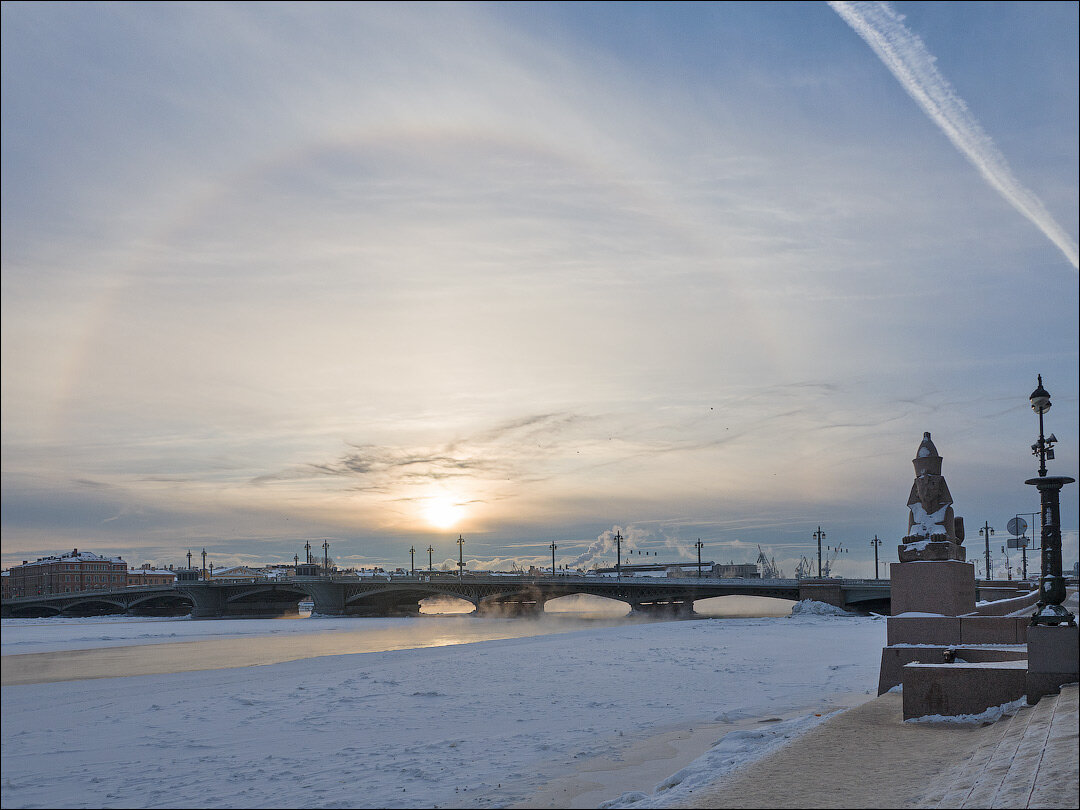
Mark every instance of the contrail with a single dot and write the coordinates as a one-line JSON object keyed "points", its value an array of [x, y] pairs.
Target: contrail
{"points": [[906, 56]]}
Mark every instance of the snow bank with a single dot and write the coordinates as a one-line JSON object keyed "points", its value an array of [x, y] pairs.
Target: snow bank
{"points": [[810, 607], [730, 752], [991, 715]]}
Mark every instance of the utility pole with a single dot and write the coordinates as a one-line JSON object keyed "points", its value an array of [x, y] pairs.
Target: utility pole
{"points": [[820, 535], [699, 545], [618, 553], [875, 543], [1022, 538], [460, 558], [553, 547], [412, 560], [986, 531], [326, 557], [430, 551]]}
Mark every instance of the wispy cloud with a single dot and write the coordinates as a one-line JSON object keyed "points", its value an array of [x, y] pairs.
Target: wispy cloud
{"points": [[905, 55]]}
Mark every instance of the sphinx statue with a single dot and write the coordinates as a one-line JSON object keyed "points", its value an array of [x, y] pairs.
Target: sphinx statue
{"points": [[934, 531]]}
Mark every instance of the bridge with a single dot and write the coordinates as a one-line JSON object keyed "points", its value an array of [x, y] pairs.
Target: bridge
{"points": [[396, 595]]}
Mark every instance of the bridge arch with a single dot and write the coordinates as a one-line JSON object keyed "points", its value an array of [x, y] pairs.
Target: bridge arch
{"points": [[581, 602], [743, 605], [33, 611], [395, 599], [94, 606], [444, 603], [162, 604]]}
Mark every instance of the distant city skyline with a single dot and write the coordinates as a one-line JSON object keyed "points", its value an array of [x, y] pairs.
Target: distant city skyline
{"points": [[384, 274]]}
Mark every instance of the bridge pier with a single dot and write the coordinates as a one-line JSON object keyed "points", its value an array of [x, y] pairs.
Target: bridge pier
{"points": [[830, 592], [206, 602]]}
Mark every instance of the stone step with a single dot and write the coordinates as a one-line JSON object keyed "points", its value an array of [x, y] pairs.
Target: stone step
{"points": [[1019, 780], [965, 781], [990, 780], [1059, 772]]}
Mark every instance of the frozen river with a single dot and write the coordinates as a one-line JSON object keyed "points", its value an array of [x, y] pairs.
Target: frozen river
{"points": [[455, 711], [63, 649]]}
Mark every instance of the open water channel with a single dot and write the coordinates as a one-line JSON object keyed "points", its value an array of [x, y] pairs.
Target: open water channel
{"points": [[58, 649]]}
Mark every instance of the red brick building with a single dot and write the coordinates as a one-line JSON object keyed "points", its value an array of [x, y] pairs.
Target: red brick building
{"points": [[67, 573]]}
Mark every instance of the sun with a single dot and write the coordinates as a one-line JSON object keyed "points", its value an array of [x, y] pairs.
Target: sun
{"points": [[443, 513]]}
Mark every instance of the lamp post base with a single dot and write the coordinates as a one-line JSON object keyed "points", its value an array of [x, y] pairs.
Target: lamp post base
{"points": [[1052, 591], [1052, 616]]}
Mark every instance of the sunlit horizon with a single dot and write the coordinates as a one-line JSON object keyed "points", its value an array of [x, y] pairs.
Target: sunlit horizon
{"points": [[387, 274]]}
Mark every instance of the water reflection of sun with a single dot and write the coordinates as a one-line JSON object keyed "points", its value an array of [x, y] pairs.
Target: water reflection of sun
{"points": [[443, 512]]}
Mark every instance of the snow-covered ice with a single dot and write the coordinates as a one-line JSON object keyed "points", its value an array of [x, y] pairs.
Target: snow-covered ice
{"points": [[481, 724]]}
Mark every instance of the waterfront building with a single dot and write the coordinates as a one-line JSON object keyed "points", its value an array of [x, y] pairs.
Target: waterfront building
{"points": [[66, 573], [148, 575]]}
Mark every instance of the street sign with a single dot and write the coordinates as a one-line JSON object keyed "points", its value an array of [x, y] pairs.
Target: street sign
{"points": [[1017, 525], [1018, 542]]}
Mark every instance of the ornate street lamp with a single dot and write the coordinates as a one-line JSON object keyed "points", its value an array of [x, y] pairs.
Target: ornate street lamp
{"points": [[430, 551], [553, 547], [1049, 610], [412, 560], [460, 558], [699, 546], [618, 553], [326, 557]]}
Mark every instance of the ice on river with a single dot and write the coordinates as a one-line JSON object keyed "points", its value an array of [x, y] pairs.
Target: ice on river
{"points": [[482, 724]]}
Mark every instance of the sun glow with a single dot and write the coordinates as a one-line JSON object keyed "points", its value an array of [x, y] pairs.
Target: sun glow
{"points": [[443, 513]]}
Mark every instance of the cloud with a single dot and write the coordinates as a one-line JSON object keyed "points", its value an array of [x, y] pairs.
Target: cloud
{"points": [[905, 55]]}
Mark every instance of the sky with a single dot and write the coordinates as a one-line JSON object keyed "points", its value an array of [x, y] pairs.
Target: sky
{"points": [[387, 274]]}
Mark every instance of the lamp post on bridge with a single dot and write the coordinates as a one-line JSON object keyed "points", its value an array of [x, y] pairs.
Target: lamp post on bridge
{"points": [[307, 551], [1019, 523], [430, 551], [412, 560], [875, 543], [820, 535], [326, 557], [189, 559], [553, 547], [460, 558], [1049, 610], [203, 572], [699, 545], [618, 554], [296, 563], [987, 532]]}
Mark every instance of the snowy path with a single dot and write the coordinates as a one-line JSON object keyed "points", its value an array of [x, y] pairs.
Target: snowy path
{"points": [[481, 724]]}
